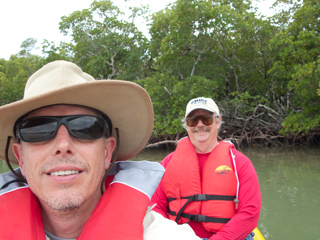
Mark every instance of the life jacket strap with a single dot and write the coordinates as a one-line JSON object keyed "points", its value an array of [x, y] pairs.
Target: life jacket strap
{"points": [[206, 197], [200, 218], [10, 182], [200, 197]]}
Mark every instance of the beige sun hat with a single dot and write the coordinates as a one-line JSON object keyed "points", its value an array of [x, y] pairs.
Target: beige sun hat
{"points": [[60, 82]]}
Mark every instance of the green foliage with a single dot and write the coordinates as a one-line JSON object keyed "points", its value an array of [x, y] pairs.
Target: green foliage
{"points": [[246, 103], [160, 89], [297, 67], [27, 46], [52, 52], [220, 40], [298, 123], [104, 45], [13, 75]]}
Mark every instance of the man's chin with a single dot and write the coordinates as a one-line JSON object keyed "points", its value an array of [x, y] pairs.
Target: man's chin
{"points": [[66, 203], [201, 135]]}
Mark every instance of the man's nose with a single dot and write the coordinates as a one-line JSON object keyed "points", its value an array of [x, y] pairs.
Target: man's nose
{"points": [[199, 123], [63, 141]]}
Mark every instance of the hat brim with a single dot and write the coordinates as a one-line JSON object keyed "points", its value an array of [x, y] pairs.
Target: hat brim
{"points": [[127, 105], [197, 108]]}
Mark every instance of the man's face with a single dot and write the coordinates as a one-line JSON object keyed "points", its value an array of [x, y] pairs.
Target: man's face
{"points": [[65, 172], [203, 137]]}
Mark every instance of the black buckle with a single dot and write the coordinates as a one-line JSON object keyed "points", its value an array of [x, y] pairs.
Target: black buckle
{"points": [[201, 218], [201, 197]]}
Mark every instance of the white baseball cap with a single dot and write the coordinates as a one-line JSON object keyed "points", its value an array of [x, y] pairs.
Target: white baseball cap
{"points": [[202, 103]]}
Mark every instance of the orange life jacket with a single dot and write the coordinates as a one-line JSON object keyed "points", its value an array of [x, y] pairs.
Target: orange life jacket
{"points": [[113, 218], [210, 201]]}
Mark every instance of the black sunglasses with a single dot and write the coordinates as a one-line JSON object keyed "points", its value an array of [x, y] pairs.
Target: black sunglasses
{"points": [[38, 129], [206, 119]]}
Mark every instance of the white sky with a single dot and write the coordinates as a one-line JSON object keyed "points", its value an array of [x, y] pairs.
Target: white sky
{"points": [[39, 19]]}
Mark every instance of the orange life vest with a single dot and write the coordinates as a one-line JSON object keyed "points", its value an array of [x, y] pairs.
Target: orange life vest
{"points": [[113, 218], [210, 201]]}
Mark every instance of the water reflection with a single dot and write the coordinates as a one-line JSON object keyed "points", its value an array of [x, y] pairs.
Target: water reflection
{"points": [[289, 180], [155, 155]]}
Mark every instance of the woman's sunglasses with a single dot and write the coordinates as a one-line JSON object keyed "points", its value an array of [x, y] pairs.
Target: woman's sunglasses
{"points": [[206, 119], [38, 129]]}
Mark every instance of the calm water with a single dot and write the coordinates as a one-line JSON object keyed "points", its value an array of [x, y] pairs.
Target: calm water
{"points": [[289, 181]]}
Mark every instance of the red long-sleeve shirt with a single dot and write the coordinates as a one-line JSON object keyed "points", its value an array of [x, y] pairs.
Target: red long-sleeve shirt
{"points": [[247, 216]]}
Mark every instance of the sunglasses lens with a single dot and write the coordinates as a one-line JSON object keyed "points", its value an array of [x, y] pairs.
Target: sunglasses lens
{"points": [[205, 119], [191, 122], [86, 127], [37, 129]]}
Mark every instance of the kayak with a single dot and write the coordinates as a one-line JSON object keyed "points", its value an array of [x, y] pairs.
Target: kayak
{"points": [[257, 234]]}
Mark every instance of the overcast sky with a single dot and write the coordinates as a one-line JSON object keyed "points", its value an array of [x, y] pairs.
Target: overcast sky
{"points": [[39, 19]]}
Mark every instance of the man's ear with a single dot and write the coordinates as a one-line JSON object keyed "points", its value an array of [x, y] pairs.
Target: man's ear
{"points": [[219, 122], [109, 148], [17, 150]]}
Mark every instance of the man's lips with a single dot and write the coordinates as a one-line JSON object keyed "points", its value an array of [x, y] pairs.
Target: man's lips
{"points": [[64, 173], [64, 170], [201, 129]]}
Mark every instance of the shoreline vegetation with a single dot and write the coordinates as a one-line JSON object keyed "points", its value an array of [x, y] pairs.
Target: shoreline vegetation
{"points": [[254, 130], [248, 136]]}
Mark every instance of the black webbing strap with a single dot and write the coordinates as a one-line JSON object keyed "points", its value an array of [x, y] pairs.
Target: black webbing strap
{"points": [[206, 197], [201, 218], [181, 209], [12, 181], [200, 197]]}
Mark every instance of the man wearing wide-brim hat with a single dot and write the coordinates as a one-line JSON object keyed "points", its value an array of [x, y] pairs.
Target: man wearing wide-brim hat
{"points": [[69, 135]]}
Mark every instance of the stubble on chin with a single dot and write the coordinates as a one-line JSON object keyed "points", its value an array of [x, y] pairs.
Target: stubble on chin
{"points": [[66, 200], [66, 204]]}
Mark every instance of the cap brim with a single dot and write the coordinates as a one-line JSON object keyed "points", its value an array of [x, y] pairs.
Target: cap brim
{"points": [[203, 108]]}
